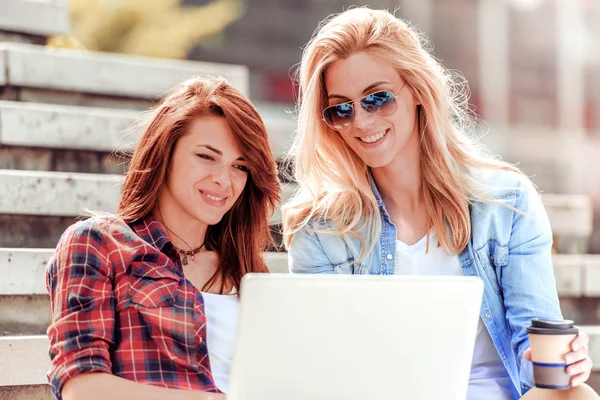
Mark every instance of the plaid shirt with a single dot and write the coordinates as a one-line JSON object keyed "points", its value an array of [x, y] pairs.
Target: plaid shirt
{"points": [[120, 305]]}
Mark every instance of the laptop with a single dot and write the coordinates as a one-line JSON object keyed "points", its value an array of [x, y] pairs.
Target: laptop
{"points": [[313, 337]]}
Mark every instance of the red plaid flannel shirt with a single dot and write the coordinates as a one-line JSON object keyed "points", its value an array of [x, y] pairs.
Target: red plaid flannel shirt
{"points": [[120, 305]]}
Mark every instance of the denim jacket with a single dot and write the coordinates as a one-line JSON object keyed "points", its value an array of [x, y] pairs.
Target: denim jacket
{"points": [[510, 251]]}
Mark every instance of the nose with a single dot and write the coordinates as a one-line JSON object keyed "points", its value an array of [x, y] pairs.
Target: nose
{"points": [[222, 176], [362, 118]]}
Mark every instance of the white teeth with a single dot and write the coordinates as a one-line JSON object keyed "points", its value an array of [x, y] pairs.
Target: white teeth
{"points": [[372, 138], [213, 197]]}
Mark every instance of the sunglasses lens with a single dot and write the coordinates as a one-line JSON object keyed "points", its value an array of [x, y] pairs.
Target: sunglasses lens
{"points": [[383, 103], [339, 116]]}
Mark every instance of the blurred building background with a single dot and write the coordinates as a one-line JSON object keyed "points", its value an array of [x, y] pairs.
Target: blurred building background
{"points": [[533, 66]]}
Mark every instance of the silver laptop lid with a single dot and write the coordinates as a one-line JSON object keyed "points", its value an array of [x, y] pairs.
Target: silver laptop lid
{"points": [[354, 337]]}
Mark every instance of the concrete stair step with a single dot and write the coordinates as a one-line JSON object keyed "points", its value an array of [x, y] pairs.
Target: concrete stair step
{"points": [[68, 194], [101, 129], [24, 272], [35, 17], [25, 309], [577, 275], [571, 217], [570, 214], [26, 392], [24, 303], [24, 359], [39, 67], [65, 127], [57, 193]]}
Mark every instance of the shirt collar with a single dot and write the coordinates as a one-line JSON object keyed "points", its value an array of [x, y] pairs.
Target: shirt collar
{"points": [[375, 190], [384, 212], [150, 230]]}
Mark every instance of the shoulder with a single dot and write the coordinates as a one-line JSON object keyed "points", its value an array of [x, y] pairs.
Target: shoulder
{"points": [[499, 190], [96, 230], [502, 184], [82, 245], [512, 202]]}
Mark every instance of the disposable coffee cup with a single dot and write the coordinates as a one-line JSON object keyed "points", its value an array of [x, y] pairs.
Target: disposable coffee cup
{"points": [[550, 341]]}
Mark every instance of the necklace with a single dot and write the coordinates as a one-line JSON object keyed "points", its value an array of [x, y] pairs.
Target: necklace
{"points": [[186, 253]]}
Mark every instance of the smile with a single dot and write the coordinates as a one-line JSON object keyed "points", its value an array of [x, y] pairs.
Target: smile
{"points": [[213, 199], [373, 138]]}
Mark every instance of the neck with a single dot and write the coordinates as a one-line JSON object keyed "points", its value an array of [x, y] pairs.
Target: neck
{"points": [[400, 182], [184, 231]]}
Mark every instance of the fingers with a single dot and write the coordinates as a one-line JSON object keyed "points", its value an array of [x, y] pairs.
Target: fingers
{"points": [[580, 371], [580, 341], [576, 356]]}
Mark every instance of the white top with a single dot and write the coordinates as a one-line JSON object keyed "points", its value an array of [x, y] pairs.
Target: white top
{"points": [[489, 378], [221, 327]]}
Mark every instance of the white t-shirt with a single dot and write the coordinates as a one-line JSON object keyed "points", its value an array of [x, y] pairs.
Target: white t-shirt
{"points": [[489, 378], [221, 327]]}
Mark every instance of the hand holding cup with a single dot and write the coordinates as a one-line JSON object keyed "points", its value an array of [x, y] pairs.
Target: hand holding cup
{"points": [[559, 353]]}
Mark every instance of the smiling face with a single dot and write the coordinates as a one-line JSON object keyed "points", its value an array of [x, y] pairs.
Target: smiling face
{"points": [[377, 139], [207, 172]]}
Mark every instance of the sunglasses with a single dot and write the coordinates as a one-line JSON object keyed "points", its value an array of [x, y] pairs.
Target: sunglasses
{"points": [[341, 116]]}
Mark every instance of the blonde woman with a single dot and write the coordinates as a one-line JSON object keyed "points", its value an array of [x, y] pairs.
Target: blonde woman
{"points": [[391, 183]]}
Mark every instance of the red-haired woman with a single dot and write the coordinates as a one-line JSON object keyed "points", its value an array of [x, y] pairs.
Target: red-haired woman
{"points": [[144, 302]]}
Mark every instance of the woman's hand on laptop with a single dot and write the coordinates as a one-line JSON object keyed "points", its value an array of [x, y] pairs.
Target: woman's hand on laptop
{"points": [[578, 359]]}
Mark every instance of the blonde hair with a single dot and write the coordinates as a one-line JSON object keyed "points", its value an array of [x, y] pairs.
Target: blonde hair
{"points": [[334, 192]]}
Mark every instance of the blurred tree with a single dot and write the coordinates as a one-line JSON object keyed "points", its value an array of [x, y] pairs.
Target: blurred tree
{"points": [[155, 28]]}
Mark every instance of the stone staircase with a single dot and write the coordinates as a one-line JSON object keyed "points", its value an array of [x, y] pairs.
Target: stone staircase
{"points": [[62, 117]]}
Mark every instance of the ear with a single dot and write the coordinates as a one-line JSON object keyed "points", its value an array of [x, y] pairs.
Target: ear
{"points": [[417, 101]]}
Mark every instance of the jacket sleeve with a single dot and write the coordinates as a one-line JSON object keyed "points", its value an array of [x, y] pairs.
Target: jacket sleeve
{"points": [[528, 281], [306, 254]]}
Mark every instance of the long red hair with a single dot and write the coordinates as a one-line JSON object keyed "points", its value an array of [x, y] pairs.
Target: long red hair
{"points": [[243, 233]]}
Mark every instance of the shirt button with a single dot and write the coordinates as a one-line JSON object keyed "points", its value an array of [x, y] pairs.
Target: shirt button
{"points": [[389, 256], [488, 315]]}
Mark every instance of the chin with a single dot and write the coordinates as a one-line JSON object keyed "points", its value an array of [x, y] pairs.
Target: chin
{"points": [[377, 162], [213, 221], [208, 219]]}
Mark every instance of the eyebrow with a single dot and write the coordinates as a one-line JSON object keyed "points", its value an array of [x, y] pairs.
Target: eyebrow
{"points": [[219, 152], [365, 90]]}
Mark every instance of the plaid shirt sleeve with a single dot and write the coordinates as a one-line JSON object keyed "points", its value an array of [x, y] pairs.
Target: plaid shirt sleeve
{"points": [[78, 279]]}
